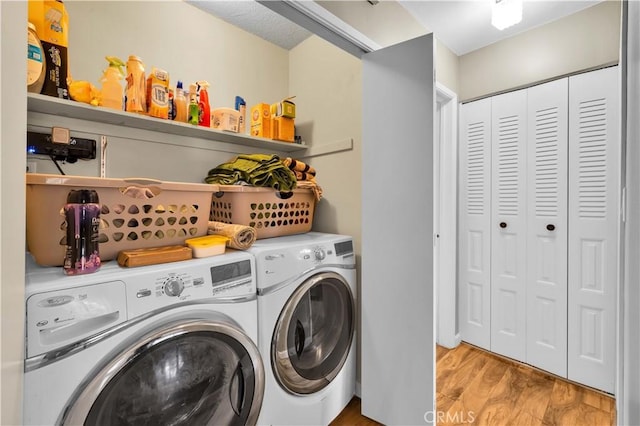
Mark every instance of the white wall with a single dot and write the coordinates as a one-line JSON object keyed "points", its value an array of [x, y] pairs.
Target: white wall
{"points": [[388, 23], [13, 106], [181, 39], [328, 111], [447, 67], [587, 39]]}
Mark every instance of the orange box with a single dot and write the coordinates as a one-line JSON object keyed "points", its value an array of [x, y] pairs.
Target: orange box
{"points": [[261, 121], [284, 129]]}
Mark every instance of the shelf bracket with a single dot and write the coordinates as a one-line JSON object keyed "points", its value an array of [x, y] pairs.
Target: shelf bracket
{"points": [[329, 148]]}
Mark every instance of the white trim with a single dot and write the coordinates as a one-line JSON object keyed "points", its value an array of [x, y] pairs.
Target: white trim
{"points": [[334, 24], [628, 386], [446, 283]]}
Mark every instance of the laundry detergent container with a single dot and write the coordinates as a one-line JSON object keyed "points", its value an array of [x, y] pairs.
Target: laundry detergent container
{"points": [[135, 213], [272, 213]]}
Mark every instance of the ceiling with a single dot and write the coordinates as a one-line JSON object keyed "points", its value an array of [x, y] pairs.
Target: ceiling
{"points": [[461, 25], [465, 26], [255, 18]]}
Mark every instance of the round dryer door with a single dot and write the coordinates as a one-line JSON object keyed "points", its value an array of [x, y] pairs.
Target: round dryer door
{"points": [[313, 335], [191, 372]]}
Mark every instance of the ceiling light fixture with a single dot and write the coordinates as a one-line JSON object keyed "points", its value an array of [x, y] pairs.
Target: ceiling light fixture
{"points": [[505, 13]]}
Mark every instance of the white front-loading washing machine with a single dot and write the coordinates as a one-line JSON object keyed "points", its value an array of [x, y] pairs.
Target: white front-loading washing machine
{"points": [[163, 344], [306, 326]]}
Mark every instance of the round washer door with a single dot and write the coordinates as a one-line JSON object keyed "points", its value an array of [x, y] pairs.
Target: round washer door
{"points": [[313, 335], [182, 373]]}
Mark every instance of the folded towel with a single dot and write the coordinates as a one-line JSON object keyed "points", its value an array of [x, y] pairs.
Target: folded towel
{"points": [[299, 168], [256, 169], [305, 175], [317, 190], [240, 237]]}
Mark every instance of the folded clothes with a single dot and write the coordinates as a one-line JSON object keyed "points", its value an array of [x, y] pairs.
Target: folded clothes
{"points": [[256, 169], [241, 237]]}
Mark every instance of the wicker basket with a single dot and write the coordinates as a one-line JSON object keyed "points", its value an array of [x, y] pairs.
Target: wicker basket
{"points": [[270, 212], [136, 213]]}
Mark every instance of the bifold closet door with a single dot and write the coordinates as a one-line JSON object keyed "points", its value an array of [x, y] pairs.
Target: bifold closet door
{"points": [[474, 247], [594, 209], [546, 293], [508, 224]]}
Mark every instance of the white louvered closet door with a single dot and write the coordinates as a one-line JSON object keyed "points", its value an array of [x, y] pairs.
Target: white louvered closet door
{"points": [[508, 224], [546, 296], [474, 250], [594, 206]]}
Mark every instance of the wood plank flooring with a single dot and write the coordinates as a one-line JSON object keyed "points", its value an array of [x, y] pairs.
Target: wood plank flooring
{"points": [[476, 387]]}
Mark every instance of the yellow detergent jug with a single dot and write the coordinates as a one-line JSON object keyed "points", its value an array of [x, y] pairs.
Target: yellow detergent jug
{"points": [[112, 90]]}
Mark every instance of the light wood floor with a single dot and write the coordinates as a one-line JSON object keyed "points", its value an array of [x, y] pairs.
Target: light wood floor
{"points": [[476, 387]]}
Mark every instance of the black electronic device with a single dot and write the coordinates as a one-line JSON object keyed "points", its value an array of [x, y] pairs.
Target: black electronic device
{"points": [[77, 148]]}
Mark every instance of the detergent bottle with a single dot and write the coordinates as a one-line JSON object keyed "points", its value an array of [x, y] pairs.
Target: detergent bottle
{"points": [[204, 114], [112, 90], [193, 105], [136, 86]]}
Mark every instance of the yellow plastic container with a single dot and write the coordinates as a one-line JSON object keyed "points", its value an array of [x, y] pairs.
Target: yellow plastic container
{"points": [[209, 245], [225, 119], [112, 93]]}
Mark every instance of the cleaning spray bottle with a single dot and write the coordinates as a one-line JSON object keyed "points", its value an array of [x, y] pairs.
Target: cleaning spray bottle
{"points": [[204, 117], [112, 90], [193, 105]]}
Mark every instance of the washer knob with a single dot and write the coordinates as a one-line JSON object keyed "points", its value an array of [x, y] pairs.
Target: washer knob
{"points": [[173, 287], [319, 254]]}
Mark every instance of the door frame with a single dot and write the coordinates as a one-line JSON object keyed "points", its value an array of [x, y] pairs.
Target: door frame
{"points": [[445, 226]]}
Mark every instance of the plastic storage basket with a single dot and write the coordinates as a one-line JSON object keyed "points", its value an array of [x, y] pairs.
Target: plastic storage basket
{"points": [[270, 212], [136, 213]]}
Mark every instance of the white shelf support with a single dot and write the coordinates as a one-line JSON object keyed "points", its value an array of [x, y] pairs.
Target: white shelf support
{"points": [[330, 148]]}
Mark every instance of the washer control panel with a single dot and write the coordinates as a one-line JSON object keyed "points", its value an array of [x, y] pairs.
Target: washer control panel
{"points": [[222, 281]]}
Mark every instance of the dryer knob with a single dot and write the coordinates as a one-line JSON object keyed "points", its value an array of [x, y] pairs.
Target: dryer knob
{"points": [[173, 287], [319, 254]]}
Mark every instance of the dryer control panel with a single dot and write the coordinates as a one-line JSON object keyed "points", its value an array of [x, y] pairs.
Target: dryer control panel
{"points": [[282, 263]]}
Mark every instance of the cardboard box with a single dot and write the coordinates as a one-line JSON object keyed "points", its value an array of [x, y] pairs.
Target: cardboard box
{"points": [[284, 129], [261, 121], [52, 27], [284, 108]]}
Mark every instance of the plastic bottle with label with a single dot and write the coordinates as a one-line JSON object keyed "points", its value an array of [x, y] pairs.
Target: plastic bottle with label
{"points": [[136, 86], [35, 61], [82, 215], [112, 91], [181, 104], [241, 107], [194, 110], [204, 109]]}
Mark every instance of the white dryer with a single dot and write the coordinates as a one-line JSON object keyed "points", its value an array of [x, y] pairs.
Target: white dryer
{"points": [[162, 344], [306, 326]]}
